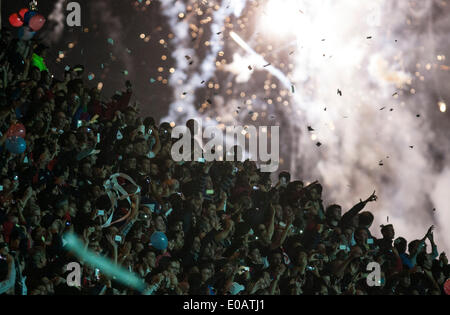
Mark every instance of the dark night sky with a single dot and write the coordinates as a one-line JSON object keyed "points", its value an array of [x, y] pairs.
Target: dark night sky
{"points": [[92, 49]]}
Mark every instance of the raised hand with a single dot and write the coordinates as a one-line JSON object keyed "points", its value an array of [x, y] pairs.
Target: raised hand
{"points": [[430, 232], [111, 241], [372, 198]]}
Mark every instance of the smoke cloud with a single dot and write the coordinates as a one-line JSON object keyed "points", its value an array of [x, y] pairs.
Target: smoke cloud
{"points": [[114, 29], [57, 18], [190, 77], [367, 147], [382, 132]]}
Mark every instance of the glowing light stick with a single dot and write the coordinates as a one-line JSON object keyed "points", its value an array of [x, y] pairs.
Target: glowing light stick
{"points": [[105, 265]]}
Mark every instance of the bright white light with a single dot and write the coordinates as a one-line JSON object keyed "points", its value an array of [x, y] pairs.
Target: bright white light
{"points": [[280, 17], [442, 107], [254, 59]]}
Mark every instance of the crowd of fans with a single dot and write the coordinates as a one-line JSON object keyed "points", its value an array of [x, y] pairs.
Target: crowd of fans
{"points": [[230, 229]]}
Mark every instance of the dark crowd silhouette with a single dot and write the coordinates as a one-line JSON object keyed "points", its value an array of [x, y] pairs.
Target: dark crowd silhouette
{"points": [[74, 163]]}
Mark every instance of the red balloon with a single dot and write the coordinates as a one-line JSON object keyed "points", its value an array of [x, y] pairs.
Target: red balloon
{"points": [[447, 287], [22, 12], [15, 20], [17, 130], [37, 22]]}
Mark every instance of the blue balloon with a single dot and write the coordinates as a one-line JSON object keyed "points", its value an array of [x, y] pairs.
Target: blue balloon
{"points": [[159, 240], [28, 16], [16, 145], [25, 33]]}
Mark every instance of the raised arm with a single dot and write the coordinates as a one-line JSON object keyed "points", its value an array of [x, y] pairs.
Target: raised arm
{"points": [[358, 208], [157, 148], [284, 235], [223, 200], [114, 247], [434, 253], [225, 232], [7, 284], [22, 204], [271, 225], [422, 243]]}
